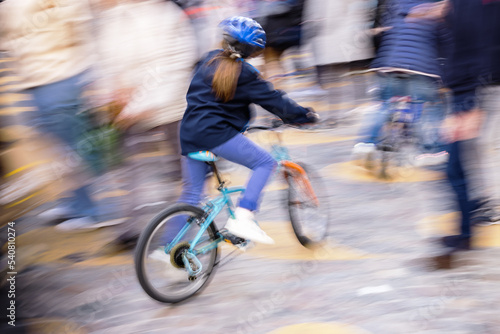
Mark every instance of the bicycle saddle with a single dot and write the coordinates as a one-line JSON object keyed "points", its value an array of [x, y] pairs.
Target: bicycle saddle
{"points": [[203, 156]]}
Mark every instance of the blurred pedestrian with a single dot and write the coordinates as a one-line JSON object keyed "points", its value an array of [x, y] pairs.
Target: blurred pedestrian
{"points": [[147, 52], [472, 66], [52, 46], [205, 15], [282, 21], [339, 33], [407, 64]]}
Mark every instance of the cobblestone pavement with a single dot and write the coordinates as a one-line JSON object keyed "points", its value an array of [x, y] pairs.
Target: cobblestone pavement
{"points": [[375, 274]]}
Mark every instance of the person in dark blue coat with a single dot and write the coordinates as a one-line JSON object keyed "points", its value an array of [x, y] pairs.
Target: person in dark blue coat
{"points": [[222, 89], [408, 64], [473, 66]]}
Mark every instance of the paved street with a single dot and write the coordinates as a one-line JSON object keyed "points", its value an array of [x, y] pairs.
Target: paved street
{"points": [[376, 273]]}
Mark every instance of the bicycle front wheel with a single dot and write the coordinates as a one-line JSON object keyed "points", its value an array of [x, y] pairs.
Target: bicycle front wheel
{"points": [[160, 257], [307, 204]]}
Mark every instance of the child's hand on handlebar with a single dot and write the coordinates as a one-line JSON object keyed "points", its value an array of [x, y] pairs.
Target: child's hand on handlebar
{"points": [[312, 116]]}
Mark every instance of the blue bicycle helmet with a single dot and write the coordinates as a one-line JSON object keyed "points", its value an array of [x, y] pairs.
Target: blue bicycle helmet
{"points": [[243, 35]]}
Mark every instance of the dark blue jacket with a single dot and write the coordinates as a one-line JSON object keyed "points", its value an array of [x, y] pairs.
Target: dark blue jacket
{"points": [[412, 45], [474, 56], [208, 122]]}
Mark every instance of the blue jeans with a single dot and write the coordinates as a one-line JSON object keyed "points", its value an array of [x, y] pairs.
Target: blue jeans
{"points": [[421, 89], [240, 150], [457, 176], [58, 106]]}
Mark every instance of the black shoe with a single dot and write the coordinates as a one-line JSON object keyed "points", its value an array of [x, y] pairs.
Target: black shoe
{"points": [[485, 216], [457, 242], [484, 212]]}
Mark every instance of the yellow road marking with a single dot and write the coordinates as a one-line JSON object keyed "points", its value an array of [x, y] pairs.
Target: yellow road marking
{"points": [[355, 171], [296, 137], [11, 205], [16, 132], [323, 106], [149, 155], [447, 224], [8, 88], [11, 98], [56, 246], [8, 79], [297, 56], [109, 194], [9, 111], [288, 248], [54, 325], [20, 169]]}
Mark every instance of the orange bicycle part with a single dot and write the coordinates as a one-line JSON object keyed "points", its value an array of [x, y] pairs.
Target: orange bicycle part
{"points": [[300, 176]]}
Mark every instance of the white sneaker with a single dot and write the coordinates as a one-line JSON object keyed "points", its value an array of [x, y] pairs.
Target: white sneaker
{"points": [[86, 223], [364, 148], [245, 226], [55, 213], [160, 255], [434, 159]]}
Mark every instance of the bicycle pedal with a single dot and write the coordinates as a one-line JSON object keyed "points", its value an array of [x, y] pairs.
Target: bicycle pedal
{"points": [[230, 238]]}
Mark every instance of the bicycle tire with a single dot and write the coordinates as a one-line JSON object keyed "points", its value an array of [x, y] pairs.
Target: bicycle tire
{"points": [[309, 220], [143, 255]]}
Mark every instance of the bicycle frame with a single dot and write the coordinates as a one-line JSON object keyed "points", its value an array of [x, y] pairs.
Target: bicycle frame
{"points": [[214, 206], [399, 127]]}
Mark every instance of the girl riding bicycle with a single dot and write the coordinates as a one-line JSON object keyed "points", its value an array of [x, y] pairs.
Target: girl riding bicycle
{"points": [[222, 89]]}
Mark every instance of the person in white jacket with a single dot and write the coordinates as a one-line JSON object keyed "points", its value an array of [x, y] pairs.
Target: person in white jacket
{"points": [[147, 51], [205, 15], [51, 45], [341, 39]]}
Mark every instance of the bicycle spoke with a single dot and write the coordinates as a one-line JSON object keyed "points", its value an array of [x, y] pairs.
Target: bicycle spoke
{"points": [[307, 207], [177, 273]]}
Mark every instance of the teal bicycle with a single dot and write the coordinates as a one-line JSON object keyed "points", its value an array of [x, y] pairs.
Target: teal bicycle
{"points": [[171, 271]]}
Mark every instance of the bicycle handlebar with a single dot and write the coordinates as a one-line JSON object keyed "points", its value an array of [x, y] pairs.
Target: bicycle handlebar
{"points": [[276, 123]]}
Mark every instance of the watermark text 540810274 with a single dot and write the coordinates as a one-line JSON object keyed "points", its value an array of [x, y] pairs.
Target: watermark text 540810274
{"points": [[11, 273]]}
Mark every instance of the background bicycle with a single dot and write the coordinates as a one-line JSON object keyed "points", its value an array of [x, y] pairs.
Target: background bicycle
{"points": [[411, 129]]}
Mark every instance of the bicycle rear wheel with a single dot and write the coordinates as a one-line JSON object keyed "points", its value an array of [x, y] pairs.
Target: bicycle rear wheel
{"points": [[159, 265], [307, 204]]}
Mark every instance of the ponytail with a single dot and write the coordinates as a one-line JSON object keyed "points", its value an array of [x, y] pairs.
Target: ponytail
{"points": [[226, 75]]}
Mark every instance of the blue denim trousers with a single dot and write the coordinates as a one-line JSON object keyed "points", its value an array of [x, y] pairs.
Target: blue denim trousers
{"points": [[58, 113], [422, 90], [240, 150], [457, 176]]}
